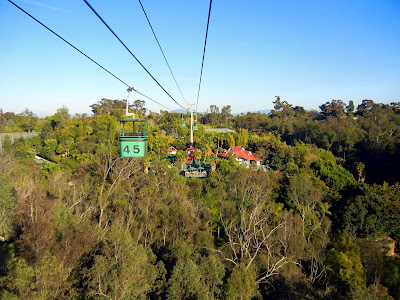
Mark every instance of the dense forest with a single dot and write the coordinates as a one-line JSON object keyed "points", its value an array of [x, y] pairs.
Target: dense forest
{"points": [[322, 222]]}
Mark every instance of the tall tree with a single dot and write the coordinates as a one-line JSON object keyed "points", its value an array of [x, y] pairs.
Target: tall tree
{"points": [[186, 282], [350, 109], [108, 106], [122, 270], [334, 108], [226, 113], [29, 120], [344, 267], [139, 107], [7, 206], [61, 119]]}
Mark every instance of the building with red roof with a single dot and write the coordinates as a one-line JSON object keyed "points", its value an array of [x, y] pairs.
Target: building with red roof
{"points": [[243, 156]]}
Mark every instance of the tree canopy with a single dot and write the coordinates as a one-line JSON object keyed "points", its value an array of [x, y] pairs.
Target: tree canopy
{"points": [[318, 220]]}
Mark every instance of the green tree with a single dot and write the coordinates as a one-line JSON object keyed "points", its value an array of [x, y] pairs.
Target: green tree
{"points": [[108, 106], [334, 108], [213, 117], [61, 119], [372, 214], [343, 264], [7, 144], [226, 114], [350, 109], [231, 140], [360, 167], [19, 282], [139, 107], [243, 138], [212, 272], [7, 206], [253, 224], [283, 115], [372, 255], [391, 275], [334, 175], [306, 194], [181, 157], [28, 120], [122, 270], [186, 282], [242, 284], [365, 106]]}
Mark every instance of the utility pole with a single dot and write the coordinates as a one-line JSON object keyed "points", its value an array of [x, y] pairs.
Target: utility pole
{"points": [[191, 125]]}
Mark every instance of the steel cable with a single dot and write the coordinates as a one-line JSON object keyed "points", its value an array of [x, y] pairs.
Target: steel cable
{"points": [[109, 28], [81, 52], [204, 51]]}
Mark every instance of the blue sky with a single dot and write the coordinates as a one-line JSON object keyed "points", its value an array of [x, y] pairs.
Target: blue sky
{"points": [[307, 52]]}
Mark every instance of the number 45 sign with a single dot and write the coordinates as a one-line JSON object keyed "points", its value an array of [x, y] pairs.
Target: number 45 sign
{"points": [[133, 148]]}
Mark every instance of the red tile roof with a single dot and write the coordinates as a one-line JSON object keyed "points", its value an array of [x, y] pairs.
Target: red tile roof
{"points": [[240, 152], [248, 155], [237, 148], [225, 155], [244, 154]]}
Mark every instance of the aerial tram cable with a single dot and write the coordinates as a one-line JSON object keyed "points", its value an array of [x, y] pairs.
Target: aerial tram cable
{"points": [[165, 58], [152, 100], [21, 9], [204, 51], [109, 28]]}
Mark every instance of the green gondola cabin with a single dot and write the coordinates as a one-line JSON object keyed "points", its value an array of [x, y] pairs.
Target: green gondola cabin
{"points": [[133, 136]]}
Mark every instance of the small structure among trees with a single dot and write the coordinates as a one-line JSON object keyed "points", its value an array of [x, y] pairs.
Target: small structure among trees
{"points": [[194, 166]]}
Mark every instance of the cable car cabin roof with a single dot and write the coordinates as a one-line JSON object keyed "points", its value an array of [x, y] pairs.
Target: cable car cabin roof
{"points": [[139, 130], [197, 174]]}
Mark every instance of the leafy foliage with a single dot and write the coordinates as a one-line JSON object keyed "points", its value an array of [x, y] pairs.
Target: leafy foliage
{"points": [[320, 219]]}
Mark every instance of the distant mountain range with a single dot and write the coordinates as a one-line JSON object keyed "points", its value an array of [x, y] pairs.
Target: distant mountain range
{"points": [[264, 111], [180, 111]]}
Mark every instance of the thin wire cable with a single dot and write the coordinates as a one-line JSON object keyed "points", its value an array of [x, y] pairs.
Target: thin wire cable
{"points": [[152, 99], [109, 28], [21, 9], [151, 27], [204, 51]]}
